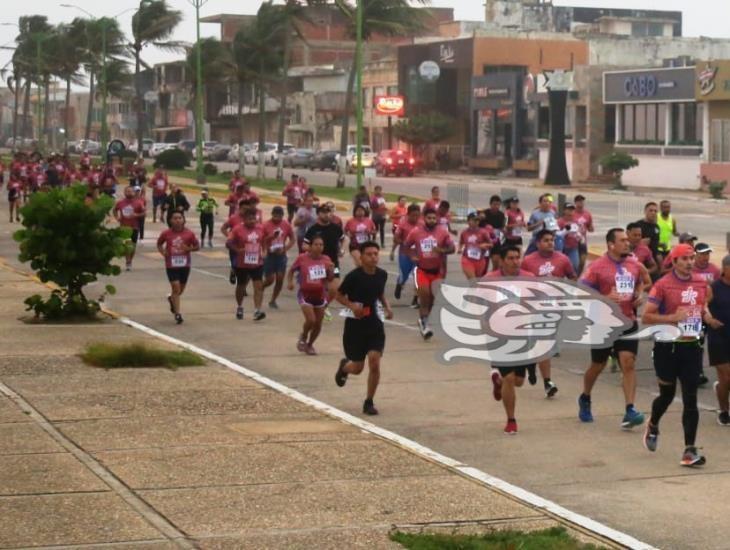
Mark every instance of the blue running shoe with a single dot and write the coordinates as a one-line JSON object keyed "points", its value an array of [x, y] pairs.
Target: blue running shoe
{"points": [[584, 409], [632, 418], [651, 437]]}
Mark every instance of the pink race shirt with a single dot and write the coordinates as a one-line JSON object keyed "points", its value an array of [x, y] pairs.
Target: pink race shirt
{"points": [[128, 210], [251, 240], [359, 231], [573, 233], [277, 233], [516, 219], [378, 205], [671, 292], [584, 220], [606, 276], [431, 204], [294, 193], [402, 231], [313, 275], [556, 264], [471, 239], [176, 257], [711, 273], [424, 241], [642, 254]]}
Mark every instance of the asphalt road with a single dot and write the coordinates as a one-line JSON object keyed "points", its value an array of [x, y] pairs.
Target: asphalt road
{"points": [[597, 470]]}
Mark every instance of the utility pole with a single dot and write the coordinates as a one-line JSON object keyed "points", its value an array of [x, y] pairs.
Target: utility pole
{"points": [[358, 84]]}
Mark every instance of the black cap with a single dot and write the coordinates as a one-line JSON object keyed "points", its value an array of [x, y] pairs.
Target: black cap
{"points": [[701, 248]]}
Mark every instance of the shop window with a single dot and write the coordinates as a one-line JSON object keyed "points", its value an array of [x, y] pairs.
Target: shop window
{"points": [[643, 124], [628, 125], [720, 131], [609, 124], [686, 124]]}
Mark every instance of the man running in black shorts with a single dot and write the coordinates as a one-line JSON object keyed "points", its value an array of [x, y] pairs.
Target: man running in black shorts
{"points": [[364, 335]]}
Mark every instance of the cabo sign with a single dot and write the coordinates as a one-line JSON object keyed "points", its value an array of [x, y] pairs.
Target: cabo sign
{"points": [[390, 105]]}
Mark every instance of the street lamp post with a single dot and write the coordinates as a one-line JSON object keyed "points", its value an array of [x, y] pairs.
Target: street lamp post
{"points": [[198, 94], [16, 93]]}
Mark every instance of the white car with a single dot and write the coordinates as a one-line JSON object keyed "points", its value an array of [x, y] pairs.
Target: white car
{"points": [[272, 156], [252, 156], [367, 156], [158, 148]]}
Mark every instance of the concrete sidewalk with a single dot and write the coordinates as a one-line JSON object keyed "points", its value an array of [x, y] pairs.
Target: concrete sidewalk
{"points": [[201, 457]]}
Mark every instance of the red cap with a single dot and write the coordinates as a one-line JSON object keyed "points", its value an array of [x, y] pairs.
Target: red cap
{"points": [[681, 250]]}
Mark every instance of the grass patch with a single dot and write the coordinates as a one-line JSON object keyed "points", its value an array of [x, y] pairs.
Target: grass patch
{"points": [[323, 191], [111, 356], [555, 538]]}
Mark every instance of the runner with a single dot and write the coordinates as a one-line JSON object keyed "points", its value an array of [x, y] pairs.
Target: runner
{"points": [[710, 273], [667, 226], [679, 298], [718, 339], [207, 207], [364, 334], [405, 262], [506, 379], [128, 212], [226, 228], [175, 244], [359, 229], [176, 201], [494, 217], [435, 200], [306, 217], [247, 240], [429, 245], [398, 213], [572, 235], [278, 239], [314, 270], [334, 218], [236, 181], [542, 218], [516, 225], [650, 230], [362, 198], [294, 193], [617, 276], [159, 184], [379, 209], [474, 246], [546, 262], [639, 250], [443, 213], [15, 193], [234, 199], [684, 238], [332, 235]]}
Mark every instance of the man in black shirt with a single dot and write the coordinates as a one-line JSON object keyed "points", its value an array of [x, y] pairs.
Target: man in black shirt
{"points": [[495, 217], [332, 236], [650, 228], [364, 334], [176, 202]]}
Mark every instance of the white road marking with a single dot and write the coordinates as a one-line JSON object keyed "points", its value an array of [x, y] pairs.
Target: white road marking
{"points": [[475, 474]]}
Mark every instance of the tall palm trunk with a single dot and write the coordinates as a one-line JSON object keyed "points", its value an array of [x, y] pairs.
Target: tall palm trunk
{"points": [[67, 108], [344, 138], [90, 112], [282, 103], [241, 160], [46, 110], [260, 173], [16, 110], [26, 109], [138, 98]]}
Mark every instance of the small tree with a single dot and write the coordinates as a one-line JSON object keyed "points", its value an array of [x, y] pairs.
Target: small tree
{"points": [[172, 159], [67, 243], [617, 162], [422, 130]]}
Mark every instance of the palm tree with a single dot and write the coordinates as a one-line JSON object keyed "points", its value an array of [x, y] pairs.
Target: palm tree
{"points": [[383, 17], [68, 53], [152, 24]]}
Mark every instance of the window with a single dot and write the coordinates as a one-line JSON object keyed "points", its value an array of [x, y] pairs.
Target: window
{"points": [[643, 123], [609, 124], [367, 98], [392, 90], [645, 28], [720, 137], [686, 124]]}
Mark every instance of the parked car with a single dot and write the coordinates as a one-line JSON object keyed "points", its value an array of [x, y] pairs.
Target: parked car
{"points": [[219, 153], [272, 157], [252, 157], [208, 147], [146, 146], [186, 145], [367, 157], [296, 158], [395, 162], [236, 151], [88, 146], [158, 148], [323, 160]]}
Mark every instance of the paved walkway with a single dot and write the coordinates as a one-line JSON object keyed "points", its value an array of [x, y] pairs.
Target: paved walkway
{"points": [[201, 457]]}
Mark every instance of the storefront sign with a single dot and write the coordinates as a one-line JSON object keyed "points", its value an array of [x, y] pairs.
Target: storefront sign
{"points": [[429, 71], [712, 81], [390, 105], [446, 53], [495, 91], [649, 85], [483, 92]]}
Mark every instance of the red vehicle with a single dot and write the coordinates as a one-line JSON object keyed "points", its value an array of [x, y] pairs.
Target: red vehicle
{"points": [[395, 162]]}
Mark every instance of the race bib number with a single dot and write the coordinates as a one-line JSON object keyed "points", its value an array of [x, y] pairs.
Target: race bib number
{"points": [[551, 224], [297, 194], [179, 261], [427, 246], [128, 211], [517, 232], [691, 327], [251, 258], [625, 284], [160, 184], [317, 273], [474, 253], [361, 237]]}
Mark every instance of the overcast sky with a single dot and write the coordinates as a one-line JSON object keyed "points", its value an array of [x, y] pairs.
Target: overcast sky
{"points": [[701, 17]]}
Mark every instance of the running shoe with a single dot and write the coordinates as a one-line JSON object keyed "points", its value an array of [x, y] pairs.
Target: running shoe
{"points": [[341, 375], [129, 266], [584, 409], [169, 301], [414, 303], [327, 314], [511, 427], [426, 331], [496, 385], [723, 418], [692, 458], [550, 389], [239, 313], [259, 315], [210, 244], [398, 290], [178, 319], [531, 375], [631, 419], [232, 277], [309, 350], [651, 437], [369, 408], [301, 345], [273, 305], [703, 379]]}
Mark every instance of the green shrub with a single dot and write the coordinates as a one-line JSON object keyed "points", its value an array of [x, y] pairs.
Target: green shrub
{"points": [[717, 189], [138, 355], [172, 159], [67, 243], [617, 162], [210, 169]]}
